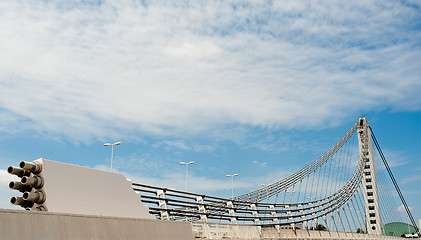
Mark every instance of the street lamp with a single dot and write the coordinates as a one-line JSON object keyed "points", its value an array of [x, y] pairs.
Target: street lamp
{"points": [[291, 195], [187, 182], [112, 151], [232, 183], [311, 198], [187, 174]]}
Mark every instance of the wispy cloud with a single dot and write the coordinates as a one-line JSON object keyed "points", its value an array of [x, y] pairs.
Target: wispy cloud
{"points": [[261, 164], [185, 146], [402, 208], [410, 179], [5, 192], [177, 144], [393, 158], [5, 178], [175, 178], [85, 71]]}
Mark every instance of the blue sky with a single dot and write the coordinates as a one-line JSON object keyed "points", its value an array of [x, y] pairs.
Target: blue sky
{"points": [[258, 88]]}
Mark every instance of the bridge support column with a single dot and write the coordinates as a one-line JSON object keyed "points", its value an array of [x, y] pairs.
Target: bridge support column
{"points": [[201, 209], [256, 217], [163, 205], [371, 196], [231, 211]]}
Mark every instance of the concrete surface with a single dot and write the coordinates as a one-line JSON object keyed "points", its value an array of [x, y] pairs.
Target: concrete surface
{"points": [[80, 190], [31, 225], [249, 232]]}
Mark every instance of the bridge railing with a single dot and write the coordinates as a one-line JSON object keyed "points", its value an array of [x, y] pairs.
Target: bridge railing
{"points": [[170, 204]]}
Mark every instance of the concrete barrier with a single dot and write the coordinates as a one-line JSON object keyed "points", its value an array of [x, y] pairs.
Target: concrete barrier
{"points": [[225, 231], [32, 225], [251, 232]]}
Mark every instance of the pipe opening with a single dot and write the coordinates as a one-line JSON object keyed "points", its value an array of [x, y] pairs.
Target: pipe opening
{"points": [[24, 180], [25, 195], [34, 167], [22, 164]]}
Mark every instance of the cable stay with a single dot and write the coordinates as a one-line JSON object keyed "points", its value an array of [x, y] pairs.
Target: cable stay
{"points": [[389, 171], [345, 190]]}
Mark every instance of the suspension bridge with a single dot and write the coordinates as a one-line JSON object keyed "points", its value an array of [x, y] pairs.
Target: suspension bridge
{"points": [[350, 188], [349, 192]]}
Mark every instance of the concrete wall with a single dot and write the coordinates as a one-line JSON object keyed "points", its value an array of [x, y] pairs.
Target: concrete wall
{"points": [[80, 190], [249, 232], [272, 233], [225, 231], [31, 225]]}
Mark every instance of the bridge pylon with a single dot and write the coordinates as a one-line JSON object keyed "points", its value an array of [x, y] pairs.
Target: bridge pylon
{"points": [[369, 180]]}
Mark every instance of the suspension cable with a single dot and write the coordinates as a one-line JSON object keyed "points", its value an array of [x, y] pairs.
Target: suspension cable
{"points": [[395, 183]]}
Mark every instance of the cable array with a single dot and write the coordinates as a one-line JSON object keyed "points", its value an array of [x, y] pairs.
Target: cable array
{"points": [[327, 194]]}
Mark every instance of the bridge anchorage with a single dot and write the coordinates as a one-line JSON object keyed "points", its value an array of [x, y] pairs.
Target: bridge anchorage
{"points": [[343, 194], [344, 191]]}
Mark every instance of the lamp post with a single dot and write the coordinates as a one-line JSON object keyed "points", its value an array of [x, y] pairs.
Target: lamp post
{"points": [[232, 183], [187, 173], [311, 198], [291, 194], [112, 151], [187, 182]]}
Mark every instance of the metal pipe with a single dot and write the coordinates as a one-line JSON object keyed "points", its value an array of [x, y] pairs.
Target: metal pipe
{"points": [[35, 181], [18, 171], [37, 196], [21, 202], [16, 200], [34, 167], [41, 208], [20, 187]]}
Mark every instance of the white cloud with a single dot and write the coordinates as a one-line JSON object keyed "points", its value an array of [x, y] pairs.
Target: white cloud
{"points": [[5, 192], [5, 195], [177, 144], [169, 177], [402, 208], [262, 164], [410, 179], [394, 159], [88, 71], [176, 180], [5, 177]]}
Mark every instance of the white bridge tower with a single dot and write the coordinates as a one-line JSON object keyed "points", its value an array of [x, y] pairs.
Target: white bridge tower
{"points": [[371, 196]]}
